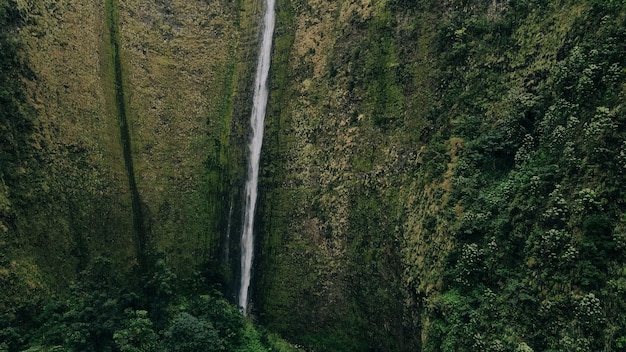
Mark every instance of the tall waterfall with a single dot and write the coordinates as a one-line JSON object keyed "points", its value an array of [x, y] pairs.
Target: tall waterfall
{"points": [[256, 121]]}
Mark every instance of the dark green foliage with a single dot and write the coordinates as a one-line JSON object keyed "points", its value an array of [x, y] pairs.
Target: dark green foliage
{"points": [[373, 244], [103, 313], [226, 319], [538, 180], [188, 333], [137, 333], [158, 292]]}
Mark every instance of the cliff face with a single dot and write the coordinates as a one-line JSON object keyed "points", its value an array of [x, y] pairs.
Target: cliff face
{"points": [[435, 176], [66, 187], [346, 195], [132, 109], [445, 176]]}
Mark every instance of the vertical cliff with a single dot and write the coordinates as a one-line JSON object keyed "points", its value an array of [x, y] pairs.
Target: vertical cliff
{"points": [[70, 199], [127, 136], [445, 176], [347, 124], [436, 176]]}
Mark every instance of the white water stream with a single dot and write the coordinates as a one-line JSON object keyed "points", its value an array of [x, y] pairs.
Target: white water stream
{"points": [[257, 119]]}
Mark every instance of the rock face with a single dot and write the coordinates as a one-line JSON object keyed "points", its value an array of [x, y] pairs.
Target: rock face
{"points": [[344, 189], [425, 171], [436, 176], [182, 69]]}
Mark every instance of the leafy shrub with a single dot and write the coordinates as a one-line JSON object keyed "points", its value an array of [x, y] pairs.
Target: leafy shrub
{"points": [[190, 334], [137, 333]]}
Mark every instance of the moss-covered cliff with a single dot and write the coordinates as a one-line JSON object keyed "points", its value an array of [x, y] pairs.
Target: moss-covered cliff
{"points": [[436, 176], [445, 176], [123, 133]]}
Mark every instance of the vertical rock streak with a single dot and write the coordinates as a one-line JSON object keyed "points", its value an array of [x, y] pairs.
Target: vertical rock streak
{"points": [[257, 118], [228, 230], [120, 101]]}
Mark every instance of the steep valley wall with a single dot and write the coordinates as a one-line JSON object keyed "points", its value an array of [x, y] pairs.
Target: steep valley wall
{"points": [[445, 176], [182, 67], [435, 176]]}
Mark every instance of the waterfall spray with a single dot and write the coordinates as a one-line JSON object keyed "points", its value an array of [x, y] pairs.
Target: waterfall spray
{"points": [[257, 119]]}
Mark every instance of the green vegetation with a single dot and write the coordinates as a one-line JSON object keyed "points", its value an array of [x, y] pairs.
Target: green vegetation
{"points": [[448, 177], [436, 176], [16, 117], [121, 112], [102, 314], [538, 180]]}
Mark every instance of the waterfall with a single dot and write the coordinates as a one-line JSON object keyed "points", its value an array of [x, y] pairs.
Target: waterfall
{"points": [[256, 121]]}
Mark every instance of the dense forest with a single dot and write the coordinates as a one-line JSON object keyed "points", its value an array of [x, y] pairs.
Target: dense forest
{"points": [[435, 176]]}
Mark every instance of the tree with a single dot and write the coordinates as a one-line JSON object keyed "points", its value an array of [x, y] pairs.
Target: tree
{"points": [[138, 334], [190, 334]]}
